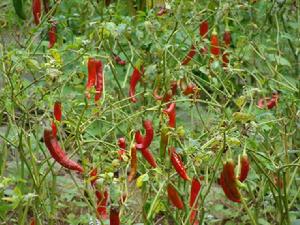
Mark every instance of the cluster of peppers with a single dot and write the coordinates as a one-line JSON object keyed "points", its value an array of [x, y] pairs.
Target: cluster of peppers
{"points": [[215, 49]]}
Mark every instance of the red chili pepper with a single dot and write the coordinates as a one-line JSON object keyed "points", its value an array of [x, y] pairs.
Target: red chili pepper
{"points": [[145, 151], [171, 112], [245, 167], [228, 182], [168, 96], [114, 216], [203, 29], [37, 11], [195, 189], [178, 164], [135, 77], [190, 89], [102, 199], [214, 44], [174, 197], [58, 154], [148, 137], [271, 102], [189, 56], [93, 175], [99, 80], [57, 111], [54, 129], [225, 59], [122, 145], [133, 164], [52, 35], [91, 76], [156, 95]]}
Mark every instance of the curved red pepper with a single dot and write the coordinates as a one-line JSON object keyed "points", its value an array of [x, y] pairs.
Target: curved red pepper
{"points": [[245, 167], [227, 37], [148, 137], [171, 112], [57, 111], [37, 11], [174, 197], [228, 182], [54, 128], [214, 44], [99, 80], [145, 151], [135, 77], [91, 76], [203, 29], [114, 216], [93, 176], [58, 154], [102, 199], [189, 56], [178, 164], [156, 95], [119, 60], [52, 35], [190, 89], [195, 189]]}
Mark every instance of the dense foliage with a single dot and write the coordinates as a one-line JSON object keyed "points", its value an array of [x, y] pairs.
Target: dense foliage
{"points": [[155, 119]]}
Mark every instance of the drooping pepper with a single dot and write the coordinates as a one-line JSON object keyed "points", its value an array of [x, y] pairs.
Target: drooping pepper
{"points": [[114, 216], [174, 197], [58, 154], [145, 151], [37, 11], [135, 78], [214, 44], [195, 189], [148, 137], [203, 29], [178, 164], [91, 76], [189, 56], [57, 115], [171, 112], [102, 199], [245, 167], [52, 34], [99, 80], [118, 60], [228, 181]]}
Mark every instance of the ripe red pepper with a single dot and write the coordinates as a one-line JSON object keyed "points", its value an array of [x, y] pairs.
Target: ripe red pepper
{"points": [[225, 59], [122, 145], [227, 37], [57, 111], [214, 44], [91, 76], [102, 199], [99, 80], [135, 77], [271, 103], [190, 89], [114, 216], [189, 56], [228, 182], [54, 128], [148, 137], [145, 151], [195, 189], [171, 112], [52, 34], [58, 154], [37, 11], [178, 164], [245, 167], [203, 29], [174, 197], [133, 164], [93, 176]]}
